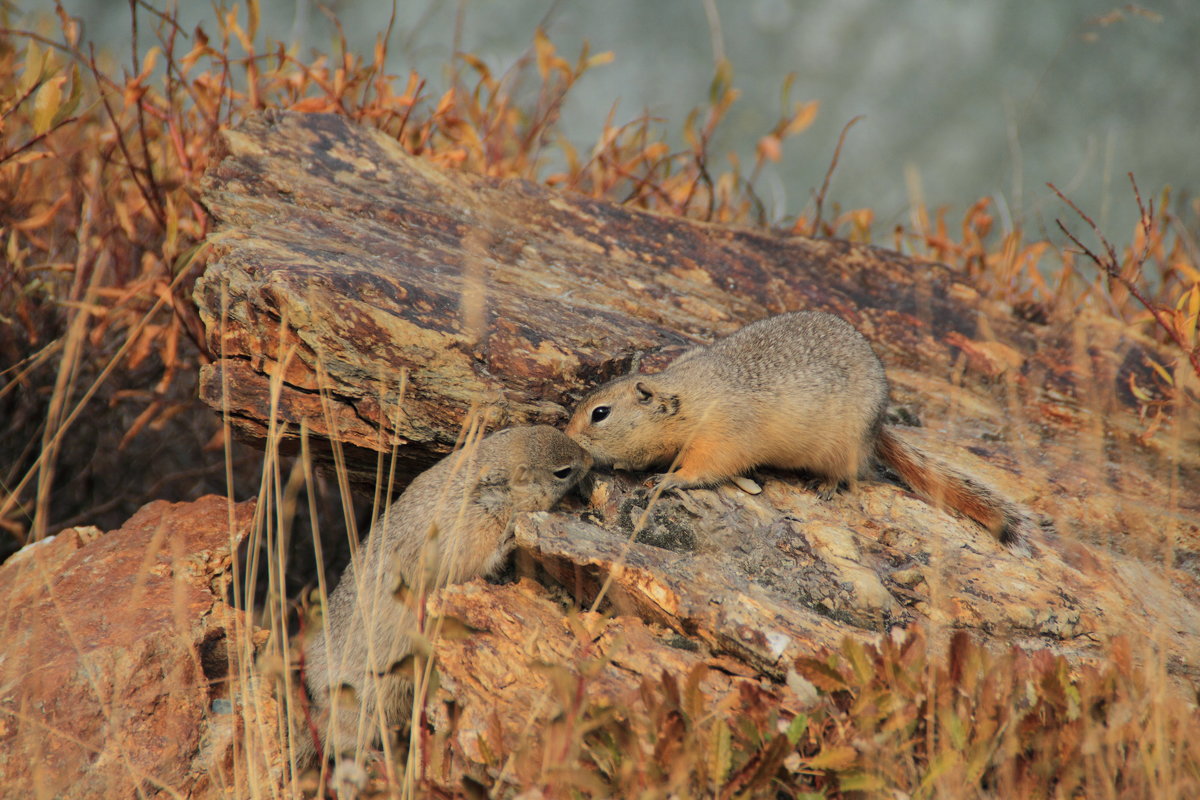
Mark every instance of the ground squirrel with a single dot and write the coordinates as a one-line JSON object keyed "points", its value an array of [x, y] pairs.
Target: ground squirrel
{"points": [[802, 390], [451, 524]]}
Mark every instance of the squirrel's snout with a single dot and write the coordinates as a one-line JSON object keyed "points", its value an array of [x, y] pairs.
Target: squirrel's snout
{"points": [[574, 426]]}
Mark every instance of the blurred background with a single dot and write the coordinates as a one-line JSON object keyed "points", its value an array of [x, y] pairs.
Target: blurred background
{"points": [[960, 99]]}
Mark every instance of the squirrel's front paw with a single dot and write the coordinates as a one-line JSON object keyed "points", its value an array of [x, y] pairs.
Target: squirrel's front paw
{"points": [[673, 482], [825, 488]]}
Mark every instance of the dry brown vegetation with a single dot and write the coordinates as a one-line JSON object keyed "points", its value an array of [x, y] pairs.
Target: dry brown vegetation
{"points": [[99, 346]]}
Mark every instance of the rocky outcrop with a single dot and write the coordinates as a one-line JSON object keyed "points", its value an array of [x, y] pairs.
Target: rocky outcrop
{"points": [[123, 671]]}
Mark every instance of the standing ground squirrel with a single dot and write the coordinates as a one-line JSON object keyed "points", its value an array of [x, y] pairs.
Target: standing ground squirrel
{"points": [[451, 524], [802, 391]]}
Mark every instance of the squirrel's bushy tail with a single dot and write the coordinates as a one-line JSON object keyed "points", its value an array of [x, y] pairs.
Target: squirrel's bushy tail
{"points": [[948, 488]]}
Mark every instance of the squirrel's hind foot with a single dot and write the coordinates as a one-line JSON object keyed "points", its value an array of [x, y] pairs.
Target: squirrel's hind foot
{"points": [[825, 488]]}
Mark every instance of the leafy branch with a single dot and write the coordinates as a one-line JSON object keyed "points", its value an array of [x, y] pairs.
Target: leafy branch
{"points": [[1110, 264]]}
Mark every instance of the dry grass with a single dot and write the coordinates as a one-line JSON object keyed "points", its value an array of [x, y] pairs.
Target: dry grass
{"points": [[99, 346]]}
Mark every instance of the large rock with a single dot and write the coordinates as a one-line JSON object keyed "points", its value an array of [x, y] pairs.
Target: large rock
{"points": [[119, 675]]}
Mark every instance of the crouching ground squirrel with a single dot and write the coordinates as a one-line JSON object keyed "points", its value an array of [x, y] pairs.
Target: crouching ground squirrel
{"points": [[800, 391], [451, 524]]}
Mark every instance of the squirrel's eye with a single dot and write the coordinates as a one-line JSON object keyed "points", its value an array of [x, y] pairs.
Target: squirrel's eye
{"points": [[600, 413], [564, 473]]}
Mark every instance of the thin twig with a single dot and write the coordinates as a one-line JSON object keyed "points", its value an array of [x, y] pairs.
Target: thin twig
{"points": [[837, 152], [147, 159], [416, 98], [17, 103], [702, 176], [164, 18], [119, 136], [35, 140], [378, 73]]}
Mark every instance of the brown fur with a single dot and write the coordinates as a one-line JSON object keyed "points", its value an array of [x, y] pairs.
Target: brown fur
{"points": [[801, 391], [451, 524], [946, 488]]}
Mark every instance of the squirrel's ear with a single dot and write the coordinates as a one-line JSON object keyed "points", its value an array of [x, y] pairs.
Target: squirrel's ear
{"points": [[520, 475], [666, 405], [494, 477], [492, 492]]}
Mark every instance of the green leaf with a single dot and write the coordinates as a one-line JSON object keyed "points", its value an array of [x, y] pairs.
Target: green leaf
{"points": [[72, 102], [721, 81], [861, 782], [31, 74], [797, 727], [46, 104]]}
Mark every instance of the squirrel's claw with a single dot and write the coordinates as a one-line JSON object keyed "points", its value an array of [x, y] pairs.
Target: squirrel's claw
{"points": [[747, 485], [825, 489]]}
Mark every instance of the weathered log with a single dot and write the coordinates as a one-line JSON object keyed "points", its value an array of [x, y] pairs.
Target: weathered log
{"points": [[775, 576], [489, 292], [389, 297], [375, 299]]}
